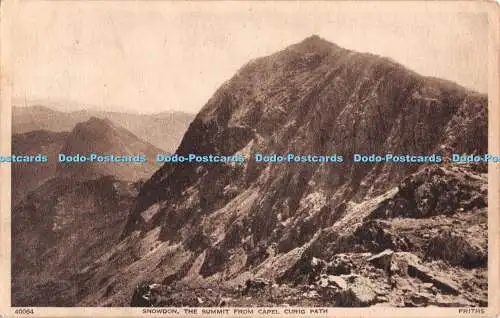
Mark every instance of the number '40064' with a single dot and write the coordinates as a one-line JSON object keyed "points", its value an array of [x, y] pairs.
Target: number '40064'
{"points": [[24, 311]]}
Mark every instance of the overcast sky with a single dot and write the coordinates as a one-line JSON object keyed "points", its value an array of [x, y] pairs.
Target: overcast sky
{"points": [[157, 56]]}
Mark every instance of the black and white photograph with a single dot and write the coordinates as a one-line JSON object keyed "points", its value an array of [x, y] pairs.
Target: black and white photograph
{"points": [[228, 156]]}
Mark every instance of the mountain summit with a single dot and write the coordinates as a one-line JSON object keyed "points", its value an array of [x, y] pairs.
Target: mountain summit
{"points": [[315, 42], [318, 99]]}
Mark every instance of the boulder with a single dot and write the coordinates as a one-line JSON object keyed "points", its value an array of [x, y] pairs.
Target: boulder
{"points": [[418, 299], [255, 284], [401, 261], [382, 260], [359, 294], [340, 265], [425, 275], [147, 295], [337, 281], [317, 263]]}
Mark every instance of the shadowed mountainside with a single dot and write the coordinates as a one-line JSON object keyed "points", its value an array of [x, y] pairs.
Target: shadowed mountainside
{"points": [[61, 228]]}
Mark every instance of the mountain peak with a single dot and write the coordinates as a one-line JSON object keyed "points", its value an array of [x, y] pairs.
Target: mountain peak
{"points": [[102, 137], [289, 223], [93, 120], [315, 42], [314, 38], [95, 125]]}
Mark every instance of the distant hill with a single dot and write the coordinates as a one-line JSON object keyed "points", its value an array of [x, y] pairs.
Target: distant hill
{"points": [[102, 137], [164, 130], [26, 119]]}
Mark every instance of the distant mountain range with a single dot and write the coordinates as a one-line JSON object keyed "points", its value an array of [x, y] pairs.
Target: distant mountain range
{"points": [[95, 135], [163, 130]]}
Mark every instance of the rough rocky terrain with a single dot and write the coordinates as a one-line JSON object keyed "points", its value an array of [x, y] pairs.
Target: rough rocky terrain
{"points": [[375, 255], [95, 135], [340, 234], [60, 229]]}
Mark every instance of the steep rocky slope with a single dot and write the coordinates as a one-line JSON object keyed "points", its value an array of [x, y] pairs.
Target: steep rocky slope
{"points": [[375, 254], [310, 233], [316, 98], [95, 135], [164, 130], [61, 228]]}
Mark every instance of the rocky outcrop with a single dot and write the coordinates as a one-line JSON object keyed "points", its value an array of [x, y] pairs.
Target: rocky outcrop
{"points": [[435, 191]]}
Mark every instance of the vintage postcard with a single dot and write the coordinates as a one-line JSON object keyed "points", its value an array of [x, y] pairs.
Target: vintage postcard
{"points": [[249, 158]]}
